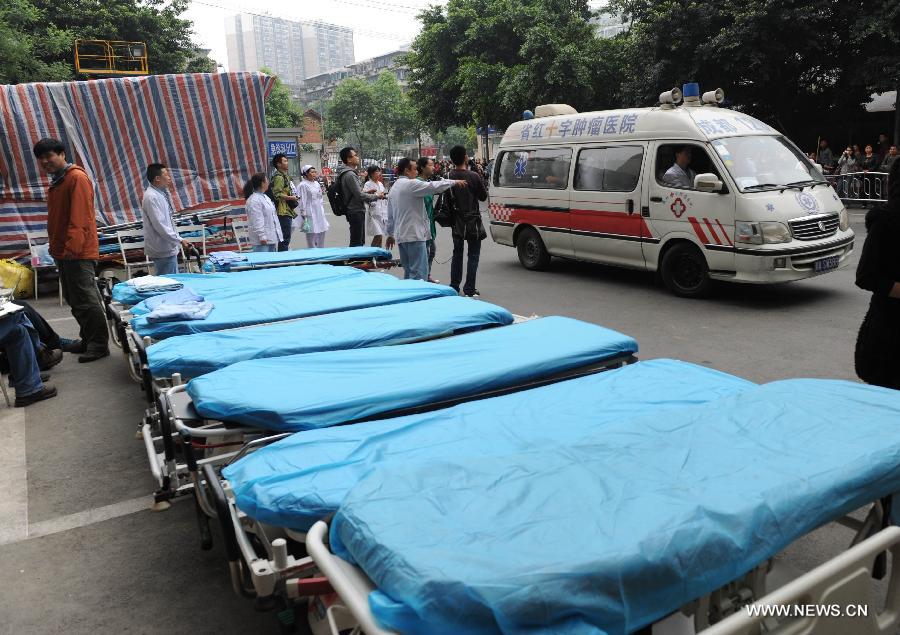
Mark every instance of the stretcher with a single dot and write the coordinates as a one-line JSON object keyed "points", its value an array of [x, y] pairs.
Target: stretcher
{"points": [[366, 257], [647, 517], [252, 400], [286, 303], [277, 492]]}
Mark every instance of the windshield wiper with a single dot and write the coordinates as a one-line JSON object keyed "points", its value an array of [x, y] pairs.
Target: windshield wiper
{"points": [[812, 183], [762, 185]]}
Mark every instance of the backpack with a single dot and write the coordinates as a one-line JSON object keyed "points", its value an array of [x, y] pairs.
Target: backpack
{"points": [[445, 212], [291, 204], [336, 196]]}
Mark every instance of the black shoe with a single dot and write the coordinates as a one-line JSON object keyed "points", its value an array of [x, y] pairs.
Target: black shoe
{"points": [[72, 346], [44, 377], [48, 358], [47, 392], [92, 357], [474, 294]]}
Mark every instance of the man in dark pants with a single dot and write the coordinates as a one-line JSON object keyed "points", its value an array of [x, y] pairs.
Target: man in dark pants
{"points": [[281, 190], [354, 198], [468, 229], [72, 230]]}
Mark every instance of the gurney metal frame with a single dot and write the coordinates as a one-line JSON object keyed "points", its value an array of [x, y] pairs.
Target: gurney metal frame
{"points": [[367, 264], [842, 581]]}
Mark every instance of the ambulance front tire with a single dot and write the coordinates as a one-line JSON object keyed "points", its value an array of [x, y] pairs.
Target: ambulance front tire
{"points": [[532, 253], [684, 271]]}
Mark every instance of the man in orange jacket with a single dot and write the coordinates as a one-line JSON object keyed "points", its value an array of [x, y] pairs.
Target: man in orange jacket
{"points": [[72, 230]]}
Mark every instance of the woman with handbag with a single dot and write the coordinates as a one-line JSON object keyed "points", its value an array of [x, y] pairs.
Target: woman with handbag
{"points": [[312, 208]]}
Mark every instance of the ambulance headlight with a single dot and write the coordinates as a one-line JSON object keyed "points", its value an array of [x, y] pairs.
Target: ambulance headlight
{"points": [[759, 233], [843, 219]]}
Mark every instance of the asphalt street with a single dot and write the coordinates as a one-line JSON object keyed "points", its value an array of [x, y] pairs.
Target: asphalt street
{"points": [[80, 551]]}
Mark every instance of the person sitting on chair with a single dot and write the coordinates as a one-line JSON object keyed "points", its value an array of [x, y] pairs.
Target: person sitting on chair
{"points": [[19, 341]]}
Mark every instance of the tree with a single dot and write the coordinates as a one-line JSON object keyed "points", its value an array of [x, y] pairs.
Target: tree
{"points": [[393, 117], [348, 114], [455, 136], [540, 51], [281, 110], [794, 63], [201, 64], [37, 36]]}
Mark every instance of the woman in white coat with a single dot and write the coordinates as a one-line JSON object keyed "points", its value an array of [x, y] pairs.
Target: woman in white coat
{"points": [[309, 193], [376, 211], [265, 230]]}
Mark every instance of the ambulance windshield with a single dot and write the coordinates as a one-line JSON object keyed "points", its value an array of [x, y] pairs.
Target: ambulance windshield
{"points": [[759, 163]]}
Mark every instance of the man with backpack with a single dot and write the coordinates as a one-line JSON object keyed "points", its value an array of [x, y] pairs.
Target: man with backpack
{"points": [[282, 195], [348, 199], [468, 228]]}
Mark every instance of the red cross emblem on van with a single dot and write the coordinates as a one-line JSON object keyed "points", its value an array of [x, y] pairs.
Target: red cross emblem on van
{"points": [[678, 207]]}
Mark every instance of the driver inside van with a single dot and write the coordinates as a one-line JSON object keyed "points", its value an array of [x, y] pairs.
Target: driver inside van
{"points": [[680, 175]]}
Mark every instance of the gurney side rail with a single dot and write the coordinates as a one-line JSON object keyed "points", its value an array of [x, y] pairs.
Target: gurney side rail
{"points": [[844, 581], [350, 582]]}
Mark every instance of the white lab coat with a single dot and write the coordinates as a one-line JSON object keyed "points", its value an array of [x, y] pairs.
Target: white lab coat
{"points": [[263, 220], [312, 206]]}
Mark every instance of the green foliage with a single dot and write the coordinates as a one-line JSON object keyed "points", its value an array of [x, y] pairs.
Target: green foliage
{"points": [[485, 61], [373, 116], [200, 64], [37, 37], [281, 110]]}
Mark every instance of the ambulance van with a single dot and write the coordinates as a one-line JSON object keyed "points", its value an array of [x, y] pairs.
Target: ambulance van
{"points": [[689, 189]]}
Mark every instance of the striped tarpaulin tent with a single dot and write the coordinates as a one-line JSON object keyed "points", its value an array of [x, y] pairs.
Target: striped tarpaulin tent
{"points": [[209, 129]]}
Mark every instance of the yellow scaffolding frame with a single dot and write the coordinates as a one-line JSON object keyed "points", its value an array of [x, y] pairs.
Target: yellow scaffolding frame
{"points": [[108, 57]]}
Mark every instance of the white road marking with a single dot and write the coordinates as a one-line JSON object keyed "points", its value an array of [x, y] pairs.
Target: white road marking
{"points": [[13, 475], [62, 319]]}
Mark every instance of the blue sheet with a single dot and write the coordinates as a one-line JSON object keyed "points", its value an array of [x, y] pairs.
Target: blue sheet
{"points": [[285, 303], [303, 256], [195, 355], [208, 283], [319, 390], [303, 478], [615, 531]]}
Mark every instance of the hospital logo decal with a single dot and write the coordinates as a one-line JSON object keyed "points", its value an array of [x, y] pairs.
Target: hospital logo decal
{"points": [[808, 202], [521, 165], [500, 212], [678, 207]]}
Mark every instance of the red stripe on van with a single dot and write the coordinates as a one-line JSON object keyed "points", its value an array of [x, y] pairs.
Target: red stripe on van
{"points": [[712, 231], [724, 233], [606, 222], [698, 230]]}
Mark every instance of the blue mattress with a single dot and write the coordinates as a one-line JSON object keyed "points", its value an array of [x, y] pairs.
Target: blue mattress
{"points": [[303, 256], [319, 390], [303, 478], [612, 532], [211, 283], [195, 355], [285, 303]]}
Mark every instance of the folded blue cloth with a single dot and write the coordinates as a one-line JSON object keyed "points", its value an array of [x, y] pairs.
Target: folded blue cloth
{"points": [[179, 312], [185, 294]]}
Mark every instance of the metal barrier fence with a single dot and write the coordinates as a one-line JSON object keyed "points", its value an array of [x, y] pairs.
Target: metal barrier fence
{"points": [[860, 187]]}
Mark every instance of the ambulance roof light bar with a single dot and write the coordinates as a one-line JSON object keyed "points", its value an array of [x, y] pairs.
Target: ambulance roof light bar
{"points": [[670, 98], [713, 97]]}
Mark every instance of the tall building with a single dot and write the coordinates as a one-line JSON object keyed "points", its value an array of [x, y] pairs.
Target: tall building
{"points": [[321, 87], [293, 50]]}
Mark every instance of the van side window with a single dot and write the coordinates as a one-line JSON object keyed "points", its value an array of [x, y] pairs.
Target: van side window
{"points": [[700, 163], [613, 169], [544, 168]]}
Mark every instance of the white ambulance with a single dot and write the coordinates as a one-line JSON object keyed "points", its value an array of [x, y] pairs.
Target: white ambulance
{"points": [[688, 188]]}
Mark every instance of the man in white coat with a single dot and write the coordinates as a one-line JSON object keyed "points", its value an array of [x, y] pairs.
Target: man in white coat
{"points": [[407, 223], [161, 241]]}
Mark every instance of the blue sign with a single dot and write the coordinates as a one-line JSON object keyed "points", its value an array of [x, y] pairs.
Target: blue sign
{"points": [[287, 148]]}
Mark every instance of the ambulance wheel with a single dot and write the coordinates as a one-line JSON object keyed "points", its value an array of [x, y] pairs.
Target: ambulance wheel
{"points": [[532, 253], [684, 271]]}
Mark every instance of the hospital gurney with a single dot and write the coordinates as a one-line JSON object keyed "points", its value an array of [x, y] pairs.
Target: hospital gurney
{"points": [[647, 517], [184, 357], [254, 399], [279, 491], [364, 257]]}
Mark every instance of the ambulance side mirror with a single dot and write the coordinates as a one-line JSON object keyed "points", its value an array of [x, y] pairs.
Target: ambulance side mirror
{"points": [[707, 182]]}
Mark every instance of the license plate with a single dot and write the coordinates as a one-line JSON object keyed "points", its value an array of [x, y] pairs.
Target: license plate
{"points": [[827, 264]]}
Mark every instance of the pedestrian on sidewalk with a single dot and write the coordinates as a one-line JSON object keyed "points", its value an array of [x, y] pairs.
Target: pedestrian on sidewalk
{"points": [[878, 342], [285, 201], [407, 224], [312, 207], [161, 241], [72, 232], [354, 198], [425, 166], [468, 228], [376, 211], [265, 227]]}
